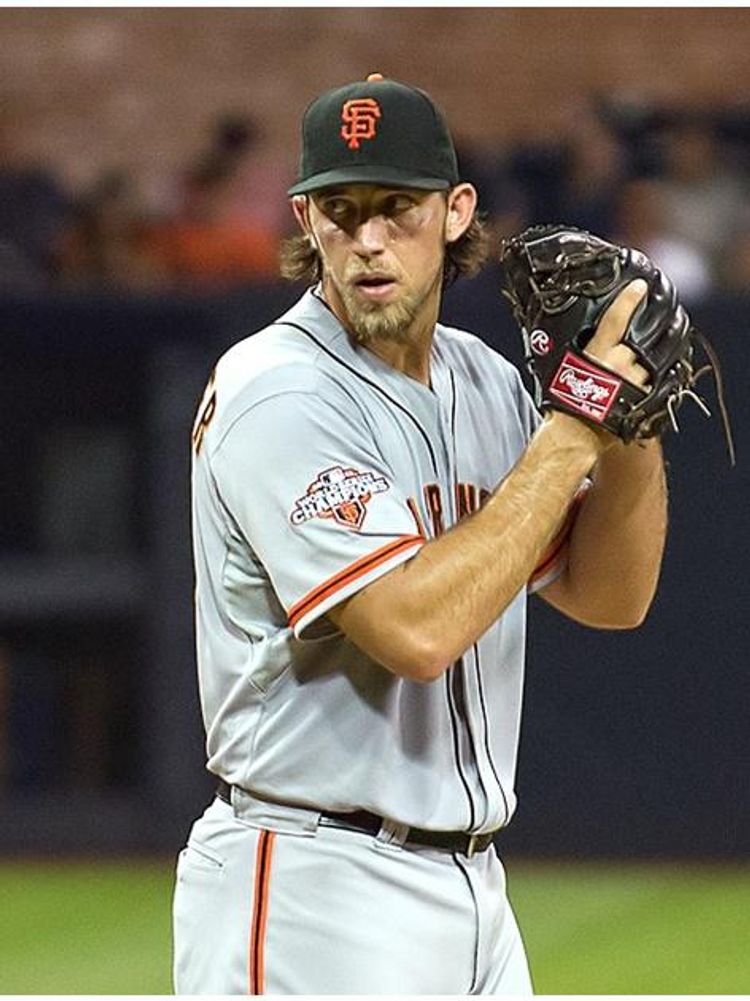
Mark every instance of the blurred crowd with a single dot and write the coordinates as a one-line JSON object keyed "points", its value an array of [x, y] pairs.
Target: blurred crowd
{"points": [[674, 185], [216, 223]]}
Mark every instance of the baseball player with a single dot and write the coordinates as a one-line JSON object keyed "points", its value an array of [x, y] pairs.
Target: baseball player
{"points": [[374, 496]]}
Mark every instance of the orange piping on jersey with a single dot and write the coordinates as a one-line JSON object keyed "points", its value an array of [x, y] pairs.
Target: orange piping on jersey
{"points": [[350, 573], [550, 558], [553, 551], [263, 854], [560, 541]]}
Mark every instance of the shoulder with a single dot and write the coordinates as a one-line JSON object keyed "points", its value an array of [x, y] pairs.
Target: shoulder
{"points": [[288, 355], [276, 378], [277, 356]]}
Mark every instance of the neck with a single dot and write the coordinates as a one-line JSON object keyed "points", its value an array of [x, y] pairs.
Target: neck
{"points": [[411, 356]]}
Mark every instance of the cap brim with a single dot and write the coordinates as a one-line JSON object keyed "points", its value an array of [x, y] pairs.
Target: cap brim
{"points": [[386, 176]]}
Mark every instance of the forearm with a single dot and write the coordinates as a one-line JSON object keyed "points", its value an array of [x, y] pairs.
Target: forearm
{"points": [[616, 547], [421, 617]]}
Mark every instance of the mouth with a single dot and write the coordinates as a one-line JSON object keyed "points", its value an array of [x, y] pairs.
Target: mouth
{"points": [[375, 286]]}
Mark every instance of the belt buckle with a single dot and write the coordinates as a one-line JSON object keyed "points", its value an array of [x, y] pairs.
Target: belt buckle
{"points": [[471, 847]]}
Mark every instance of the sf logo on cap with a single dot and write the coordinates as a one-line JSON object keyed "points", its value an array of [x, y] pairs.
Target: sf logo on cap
{"points": [[359, 117]]}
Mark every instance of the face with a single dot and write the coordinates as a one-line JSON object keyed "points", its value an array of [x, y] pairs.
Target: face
{"points": [[382, 252]]}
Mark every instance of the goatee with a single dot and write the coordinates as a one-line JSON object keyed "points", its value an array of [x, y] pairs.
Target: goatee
{"points": [[387, 323]]}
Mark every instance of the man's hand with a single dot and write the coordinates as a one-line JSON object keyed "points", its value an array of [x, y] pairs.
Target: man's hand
{"points": [[606, 345]]}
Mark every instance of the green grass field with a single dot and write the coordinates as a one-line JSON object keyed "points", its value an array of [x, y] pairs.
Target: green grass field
{"points": [[104, 927]]}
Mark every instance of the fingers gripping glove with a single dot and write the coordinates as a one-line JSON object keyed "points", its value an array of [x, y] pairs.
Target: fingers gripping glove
{"points": [[559, 282]]}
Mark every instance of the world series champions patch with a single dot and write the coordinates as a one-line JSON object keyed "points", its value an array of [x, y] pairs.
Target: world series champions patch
{"points": [[341, 494]]}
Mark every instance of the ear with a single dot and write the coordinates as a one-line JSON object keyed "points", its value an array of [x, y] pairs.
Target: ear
{"points": [[462, 204], [301, 209]]}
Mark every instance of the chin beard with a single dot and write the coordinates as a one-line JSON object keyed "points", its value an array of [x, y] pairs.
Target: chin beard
{"points": [[390, 322], [385, 323]]}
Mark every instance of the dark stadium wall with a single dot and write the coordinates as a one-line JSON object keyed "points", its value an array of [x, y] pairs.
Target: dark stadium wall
{"points": [[633, 743]]}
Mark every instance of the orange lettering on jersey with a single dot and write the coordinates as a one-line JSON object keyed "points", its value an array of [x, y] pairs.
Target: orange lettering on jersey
{"points": [[205, 414], [466, 499], [435, 506], [360, 118], [412, 505]]}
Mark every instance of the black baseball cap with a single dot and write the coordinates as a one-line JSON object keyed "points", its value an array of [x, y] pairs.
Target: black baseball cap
{"points": [[375, 131]]}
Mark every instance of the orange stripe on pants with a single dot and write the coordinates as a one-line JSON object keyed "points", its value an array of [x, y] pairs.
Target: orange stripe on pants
{"points": [[256, 951]]}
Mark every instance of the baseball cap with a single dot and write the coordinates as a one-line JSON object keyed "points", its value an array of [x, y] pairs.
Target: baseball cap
{"points": [[375, 131]]}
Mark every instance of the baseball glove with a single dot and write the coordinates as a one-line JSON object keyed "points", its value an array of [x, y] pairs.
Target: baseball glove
{"points": [[559, 281]]}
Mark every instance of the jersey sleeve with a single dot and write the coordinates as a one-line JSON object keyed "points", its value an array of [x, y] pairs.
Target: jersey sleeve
{"points": [[304, 479]]}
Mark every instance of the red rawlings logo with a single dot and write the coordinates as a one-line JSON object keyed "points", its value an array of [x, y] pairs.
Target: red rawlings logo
{"points": [[338, 493], [584, 389]]}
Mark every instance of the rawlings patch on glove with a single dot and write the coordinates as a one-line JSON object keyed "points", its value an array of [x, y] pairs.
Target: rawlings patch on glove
{"points": [[560, 281]]}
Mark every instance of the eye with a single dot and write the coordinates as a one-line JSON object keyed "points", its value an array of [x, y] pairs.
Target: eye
{"points": [[337, 209], [396, 204]]}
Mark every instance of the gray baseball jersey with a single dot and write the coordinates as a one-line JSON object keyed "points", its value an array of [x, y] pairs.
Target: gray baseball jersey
{"points": [[317, 469]]}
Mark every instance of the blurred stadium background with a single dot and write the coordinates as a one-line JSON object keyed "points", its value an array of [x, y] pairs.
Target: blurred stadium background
{"points": [[144, 155]]}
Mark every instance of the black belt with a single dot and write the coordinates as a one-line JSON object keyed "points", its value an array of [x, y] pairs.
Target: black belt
{"points": [[369, 823]]}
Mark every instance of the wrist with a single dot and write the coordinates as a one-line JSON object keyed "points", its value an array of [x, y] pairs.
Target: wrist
{"points": [[574, 433]]}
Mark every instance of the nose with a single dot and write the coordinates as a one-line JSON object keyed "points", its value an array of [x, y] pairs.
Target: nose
{"points": [[370, 236]]}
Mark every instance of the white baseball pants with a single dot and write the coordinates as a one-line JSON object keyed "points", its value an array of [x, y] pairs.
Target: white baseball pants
{"points": [[267, 900]]}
